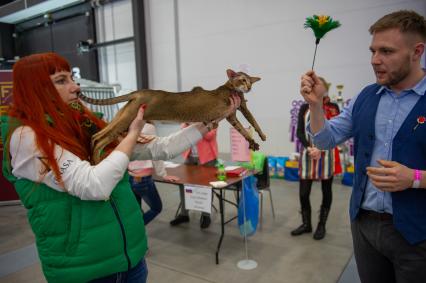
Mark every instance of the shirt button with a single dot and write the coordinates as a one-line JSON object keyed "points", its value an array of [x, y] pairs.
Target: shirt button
{"points": [[386, 144], [390, 121]]}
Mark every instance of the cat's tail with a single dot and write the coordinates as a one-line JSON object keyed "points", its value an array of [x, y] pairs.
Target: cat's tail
{"points": [[107, 101]]}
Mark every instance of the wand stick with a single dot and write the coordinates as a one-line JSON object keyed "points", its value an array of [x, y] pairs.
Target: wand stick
{"points": [[315, 54]]}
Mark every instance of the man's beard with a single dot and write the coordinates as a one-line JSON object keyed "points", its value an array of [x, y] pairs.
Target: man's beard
{"points": [[396, 77]]}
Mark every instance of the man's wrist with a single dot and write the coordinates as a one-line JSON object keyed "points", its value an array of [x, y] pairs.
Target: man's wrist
{"points": [[315, 107]]}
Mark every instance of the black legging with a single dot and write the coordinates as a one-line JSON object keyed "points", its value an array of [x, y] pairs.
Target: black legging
{"points": [[305, 191]]}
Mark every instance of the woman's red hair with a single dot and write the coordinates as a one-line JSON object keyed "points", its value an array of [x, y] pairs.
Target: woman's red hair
{"points": [[35, 98]]}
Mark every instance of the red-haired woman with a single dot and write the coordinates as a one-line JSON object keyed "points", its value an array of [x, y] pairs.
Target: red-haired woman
{"points": [[87, 223]]}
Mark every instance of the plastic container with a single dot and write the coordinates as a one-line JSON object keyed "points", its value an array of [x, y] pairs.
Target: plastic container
{"points": [[221, 173]]}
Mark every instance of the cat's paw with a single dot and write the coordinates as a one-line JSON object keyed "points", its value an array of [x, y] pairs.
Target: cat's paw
{"points": [[254, 146], [197, 88], [263, 137]]}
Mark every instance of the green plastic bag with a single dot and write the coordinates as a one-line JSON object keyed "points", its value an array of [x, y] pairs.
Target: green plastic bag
{"points": [[258, 160]]}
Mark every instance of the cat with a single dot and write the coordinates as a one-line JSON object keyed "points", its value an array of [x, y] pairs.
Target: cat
{"points": [[197, 105]]}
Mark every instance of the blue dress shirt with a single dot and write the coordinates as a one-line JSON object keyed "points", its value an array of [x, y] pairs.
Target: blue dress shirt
{"points": [[393, 109]]}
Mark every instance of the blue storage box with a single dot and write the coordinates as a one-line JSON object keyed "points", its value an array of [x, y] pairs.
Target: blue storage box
{"points": [[348, 179]]}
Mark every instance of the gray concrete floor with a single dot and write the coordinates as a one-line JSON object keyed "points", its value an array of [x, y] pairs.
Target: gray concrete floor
{"points": [[186, 253]]}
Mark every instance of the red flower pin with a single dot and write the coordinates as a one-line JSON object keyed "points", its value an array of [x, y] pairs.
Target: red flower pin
{"points": [[420, 120]]}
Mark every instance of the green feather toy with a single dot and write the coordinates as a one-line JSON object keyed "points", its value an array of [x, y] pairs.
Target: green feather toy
{"points": [[320, 25]]}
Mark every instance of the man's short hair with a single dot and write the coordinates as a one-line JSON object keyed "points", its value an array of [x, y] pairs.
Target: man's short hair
{"points": [[406, 21]]}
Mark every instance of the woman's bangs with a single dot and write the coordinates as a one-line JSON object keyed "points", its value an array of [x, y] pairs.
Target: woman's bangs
{"points": [[56, 64]]}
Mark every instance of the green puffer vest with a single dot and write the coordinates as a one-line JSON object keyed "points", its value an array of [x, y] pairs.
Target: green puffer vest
{"points": [[78, 240]]}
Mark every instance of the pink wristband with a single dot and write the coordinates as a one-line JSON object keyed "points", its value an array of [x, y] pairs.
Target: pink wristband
{"points": [[417, 174], [417, 178]]}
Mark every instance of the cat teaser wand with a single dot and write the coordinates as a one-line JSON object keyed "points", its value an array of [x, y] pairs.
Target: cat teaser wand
{"points": [[320, 25]]}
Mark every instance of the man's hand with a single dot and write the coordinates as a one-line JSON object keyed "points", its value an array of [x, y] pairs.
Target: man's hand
{"points": [[312, 89], [314, 153], [392, 177]]}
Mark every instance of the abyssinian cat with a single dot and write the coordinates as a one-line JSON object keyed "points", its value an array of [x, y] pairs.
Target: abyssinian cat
{"points": [[197, 105]]}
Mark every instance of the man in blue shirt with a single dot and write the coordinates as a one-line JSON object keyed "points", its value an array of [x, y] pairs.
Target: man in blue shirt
{"points": [[387, 122]]}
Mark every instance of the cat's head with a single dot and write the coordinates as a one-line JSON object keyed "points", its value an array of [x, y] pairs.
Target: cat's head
{"points": [[240, 81]]}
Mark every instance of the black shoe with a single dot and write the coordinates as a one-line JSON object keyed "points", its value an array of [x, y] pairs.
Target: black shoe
{"points": [[205, 221], [319, 232], [304, 228], [179, 219]]}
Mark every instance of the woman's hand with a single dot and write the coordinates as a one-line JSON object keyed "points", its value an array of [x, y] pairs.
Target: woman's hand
{"points": [[171, 178], [312, 89], [314, 153], [392, 177], [143, 139], [137, 124], [235, 102], [127, 144]]}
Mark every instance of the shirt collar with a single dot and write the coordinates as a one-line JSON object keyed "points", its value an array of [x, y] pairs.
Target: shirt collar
{"points": [[419, 88]]}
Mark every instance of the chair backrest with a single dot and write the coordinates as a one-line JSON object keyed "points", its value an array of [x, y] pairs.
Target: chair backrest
{"points": [[263, 179]]}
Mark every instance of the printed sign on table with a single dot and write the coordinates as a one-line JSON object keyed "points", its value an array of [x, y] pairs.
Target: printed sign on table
{"points": [[198, 198]]}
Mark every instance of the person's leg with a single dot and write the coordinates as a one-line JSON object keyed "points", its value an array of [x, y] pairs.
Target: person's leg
{"points": [[184, 214], [409, 261], [151, 198], [327, 196], [373, 266], [304, 193], [205, 218], [136, 186], [137, 274], [113, 278], [327, 193], [183, 210]]}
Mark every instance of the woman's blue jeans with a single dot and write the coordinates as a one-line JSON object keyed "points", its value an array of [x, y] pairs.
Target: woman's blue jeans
{"points": [[137, 274], [146, 190]]}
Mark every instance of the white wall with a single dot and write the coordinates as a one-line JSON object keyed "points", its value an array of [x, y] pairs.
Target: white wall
{"points": [[266, 38]]}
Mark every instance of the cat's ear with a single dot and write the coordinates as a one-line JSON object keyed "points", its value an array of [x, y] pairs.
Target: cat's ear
{"points": [[254, 79], [231, 74]]}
